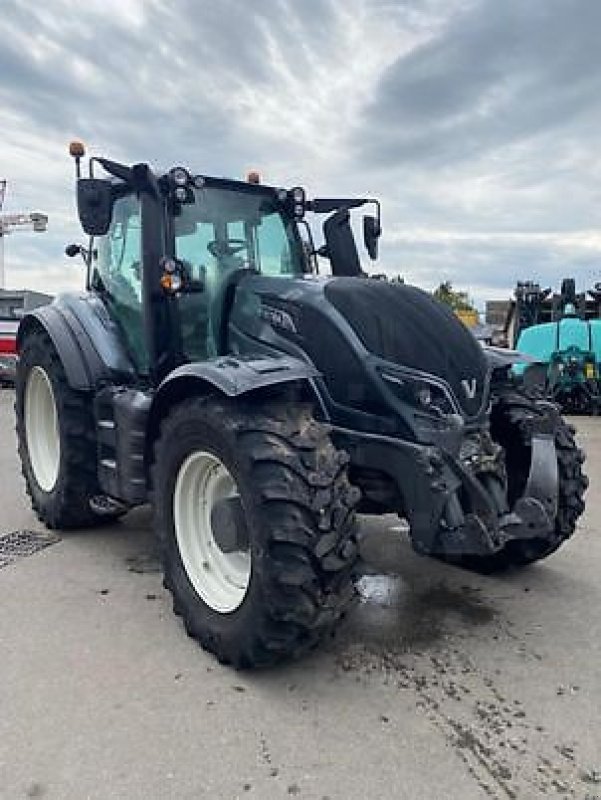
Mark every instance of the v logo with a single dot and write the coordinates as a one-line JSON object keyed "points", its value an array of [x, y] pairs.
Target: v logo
{"points": [[469, 387]]}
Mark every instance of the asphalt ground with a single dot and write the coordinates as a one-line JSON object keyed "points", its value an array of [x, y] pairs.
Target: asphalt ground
{"points": [[441, 684]]}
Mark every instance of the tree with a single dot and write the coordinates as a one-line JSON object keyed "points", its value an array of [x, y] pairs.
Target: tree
{"points": [[458, 301]]}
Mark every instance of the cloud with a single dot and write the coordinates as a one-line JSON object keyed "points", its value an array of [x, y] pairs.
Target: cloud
{"points": [[476, 122], [499, 73]]}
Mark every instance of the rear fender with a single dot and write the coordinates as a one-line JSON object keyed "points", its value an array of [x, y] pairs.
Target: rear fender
{"points": [[85, 338], [50, 320]]}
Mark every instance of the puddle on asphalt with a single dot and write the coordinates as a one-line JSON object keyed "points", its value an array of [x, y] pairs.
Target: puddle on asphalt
{"points": [[396, 615], [406, 602], [386, 590]]}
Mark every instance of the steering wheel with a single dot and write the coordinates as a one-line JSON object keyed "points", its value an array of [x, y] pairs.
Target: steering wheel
{"points": [[225, 248]]}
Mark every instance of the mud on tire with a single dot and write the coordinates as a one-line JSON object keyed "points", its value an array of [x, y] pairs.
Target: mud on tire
{"points": [[298, 509], [67, 503]]}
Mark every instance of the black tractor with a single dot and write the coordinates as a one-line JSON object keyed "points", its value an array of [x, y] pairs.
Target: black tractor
{"points": [[210, 371]]}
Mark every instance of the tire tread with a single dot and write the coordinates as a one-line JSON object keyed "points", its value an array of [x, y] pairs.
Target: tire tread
{"points": [[305, 503]]}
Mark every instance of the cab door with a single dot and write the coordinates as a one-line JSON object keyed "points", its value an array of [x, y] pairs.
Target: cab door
{"points": [[117, 275]]}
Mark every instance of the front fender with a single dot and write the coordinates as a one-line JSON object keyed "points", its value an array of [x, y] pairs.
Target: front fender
{"points": [[235, 375], [230, 375]]}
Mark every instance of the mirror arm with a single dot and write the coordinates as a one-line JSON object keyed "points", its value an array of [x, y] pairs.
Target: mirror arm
{"points": [[113, 168], [325, 205]]}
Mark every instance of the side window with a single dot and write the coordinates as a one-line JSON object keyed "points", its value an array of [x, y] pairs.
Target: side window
{"points": [[274, 246], [192, 242], [119, 267]]}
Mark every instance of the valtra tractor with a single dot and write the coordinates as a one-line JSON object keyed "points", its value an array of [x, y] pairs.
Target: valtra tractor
{"points": [[208, 370]]}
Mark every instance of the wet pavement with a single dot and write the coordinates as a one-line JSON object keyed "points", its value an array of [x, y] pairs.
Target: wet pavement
{"points": [[440, 684]]}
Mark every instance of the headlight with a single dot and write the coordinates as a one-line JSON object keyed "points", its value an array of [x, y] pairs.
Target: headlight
{"points": [[420, 393], [424, 396]]}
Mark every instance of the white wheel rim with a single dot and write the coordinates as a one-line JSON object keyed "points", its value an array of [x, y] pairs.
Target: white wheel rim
{"points": [[41, 429], [221, 579]]}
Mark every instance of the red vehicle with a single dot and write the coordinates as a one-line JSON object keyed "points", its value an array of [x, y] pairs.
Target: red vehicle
{"points": [[8, 350]]}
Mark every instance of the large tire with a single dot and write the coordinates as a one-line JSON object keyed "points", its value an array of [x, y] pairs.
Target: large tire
{"points": [[297, 507], [510, 428], [56, 439]]}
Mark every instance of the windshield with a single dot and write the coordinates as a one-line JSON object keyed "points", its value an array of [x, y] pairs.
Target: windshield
{"points": [[223, 231], [228, 229]]}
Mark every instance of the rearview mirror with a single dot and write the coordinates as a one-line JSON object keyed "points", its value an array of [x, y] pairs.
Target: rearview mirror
{"points": [[94, 205], [371, 233], [72, 250], [340, 245]]}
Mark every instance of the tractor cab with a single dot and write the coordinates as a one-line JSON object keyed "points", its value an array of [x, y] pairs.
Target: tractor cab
{"points": [[167, 252]]}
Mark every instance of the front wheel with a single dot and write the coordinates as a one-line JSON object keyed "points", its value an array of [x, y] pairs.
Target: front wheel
{"points": [[254, 515]]}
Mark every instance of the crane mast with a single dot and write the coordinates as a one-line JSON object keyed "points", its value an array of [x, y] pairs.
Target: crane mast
{"points": [[9, 223]]}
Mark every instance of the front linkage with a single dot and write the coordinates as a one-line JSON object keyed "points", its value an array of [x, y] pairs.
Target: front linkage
{"points": [[484, 511], [492, 498]]}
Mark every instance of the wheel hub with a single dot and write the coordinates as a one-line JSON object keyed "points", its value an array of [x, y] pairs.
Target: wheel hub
{"points": [[229, 526], [211, 533]]}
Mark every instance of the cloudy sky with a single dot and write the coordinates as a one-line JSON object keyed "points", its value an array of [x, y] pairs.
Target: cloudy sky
{"points": [[476, 122]]}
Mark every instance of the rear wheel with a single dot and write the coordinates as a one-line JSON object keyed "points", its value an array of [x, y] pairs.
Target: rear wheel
{"points": [[254, 515], [56, 439]]}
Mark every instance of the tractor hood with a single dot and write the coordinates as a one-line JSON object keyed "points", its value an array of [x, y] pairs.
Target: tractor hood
{"points": [[406, 326], [351, 329]]}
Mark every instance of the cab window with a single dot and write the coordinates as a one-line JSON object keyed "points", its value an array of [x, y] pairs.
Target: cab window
{"points": [[223, 231], [118, 272]]}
